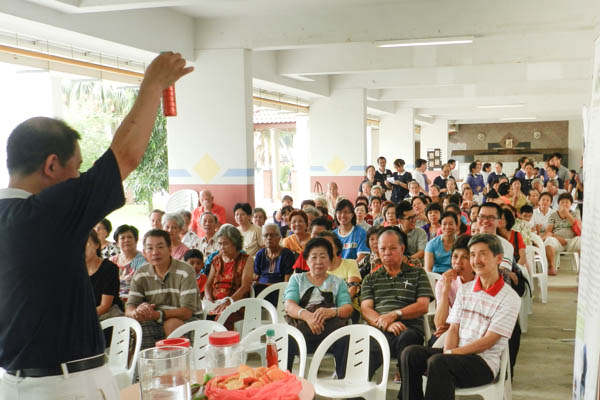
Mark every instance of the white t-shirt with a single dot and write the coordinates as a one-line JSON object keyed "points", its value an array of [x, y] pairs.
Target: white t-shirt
{"points": [[418, 176], [509, 251], [540, 219]]}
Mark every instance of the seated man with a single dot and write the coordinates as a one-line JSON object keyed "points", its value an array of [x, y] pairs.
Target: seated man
{"points": [[416, 238], [481, 321], [395, 298], [163, 293], [188, 238], [562, 231], [206, 203]]}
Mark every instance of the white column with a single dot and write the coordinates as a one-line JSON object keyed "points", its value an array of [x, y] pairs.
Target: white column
{"points": [[211, 141], [397, 137], [435, 136], [302, 159], [338, 147], [575, 143]]}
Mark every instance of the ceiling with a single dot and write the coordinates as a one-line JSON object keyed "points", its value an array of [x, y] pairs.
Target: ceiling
{"points": [[535, 55]]}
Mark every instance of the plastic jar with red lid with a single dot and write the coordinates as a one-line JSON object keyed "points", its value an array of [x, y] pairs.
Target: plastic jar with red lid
{"points": [[224, 353]]}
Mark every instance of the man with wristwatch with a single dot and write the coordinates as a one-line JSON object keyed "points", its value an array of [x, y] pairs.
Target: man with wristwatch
{"points": [[163, 293], [481, 322], [395, 298]]}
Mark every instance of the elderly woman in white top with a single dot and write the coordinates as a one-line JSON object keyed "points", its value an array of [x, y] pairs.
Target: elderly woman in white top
{"points": [[174, 224]]}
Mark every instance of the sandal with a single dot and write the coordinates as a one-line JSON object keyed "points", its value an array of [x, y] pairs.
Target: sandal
{"points": [[397, 377]]}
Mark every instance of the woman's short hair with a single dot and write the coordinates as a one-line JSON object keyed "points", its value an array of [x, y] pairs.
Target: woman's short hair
{"points": [[491, 241], [193, 253], [300, 213], [361, 199], [422, 198], [472, 166], [231, 233], [124, 229], [387, 207], [318, 242], [363, 205], [565, 196], [321, 221], [157, 233], [259, 210], [369, 184], [509, 217], [107, 225], [307, 202], [450, 214], [245, 207], [96, 240], [345, 203], [433, 207], [313, 211], [374, 230], [503, 189], [461, 243], [173, 217], [398, 162], [455, 198], [336, 240], [434, 186], [272, 226], [320, 201], [377, 187]]}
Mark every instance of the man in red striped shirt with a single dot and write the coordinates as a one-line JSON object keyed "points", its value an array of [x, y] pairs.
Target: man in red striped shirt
{"points": [[481, 322]]}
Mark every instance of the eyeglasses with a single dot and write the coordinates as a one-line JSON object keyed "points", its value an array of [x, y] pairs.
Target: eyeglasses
{"points": [[490, 218]]}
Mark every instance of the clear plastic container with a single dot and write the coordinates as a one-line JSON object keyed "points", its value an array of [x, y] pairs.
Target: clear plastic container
{"points": [[224, 353]]}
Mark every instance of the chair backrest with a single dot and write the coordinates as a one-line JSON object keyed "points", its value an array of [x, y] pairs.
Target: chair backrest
{"points": [[439, 343], [433, 278], [534, 256], [252, 314], [207, 305], [186, 199], [539, 243], [273, 288], [119, 344], [282, 331], [357, 366], [201, 330]]}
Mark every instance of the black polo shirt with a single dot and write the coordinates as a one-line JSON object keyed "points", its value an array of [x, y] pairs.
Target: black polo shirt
{"points": [[47, 308]]}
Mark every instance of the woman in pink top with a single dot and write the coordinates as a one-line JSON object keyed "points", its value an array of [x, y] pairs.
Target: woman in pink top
{"points": [[446, 288]]}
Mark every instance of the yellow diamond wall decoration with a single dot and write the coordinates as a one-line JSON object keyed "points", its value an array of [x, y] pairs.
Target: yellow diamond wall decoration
{"points": [[336, 165], [207, 168]]}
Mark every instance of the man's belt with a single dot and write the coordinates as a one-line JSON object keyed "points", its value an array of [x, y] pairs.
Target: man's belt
{"points": [[70, 367]]}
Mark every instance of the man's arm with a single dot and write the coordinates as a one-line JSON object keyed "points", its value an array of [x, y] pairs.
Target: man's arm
{"points": [[368, 312], [477, 346], [131, 139], [182, 313]]}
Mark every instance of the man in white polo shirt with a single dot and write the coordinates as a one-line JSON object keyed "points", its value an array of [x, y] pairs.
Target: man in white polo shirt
{"points": [[481, 321]]}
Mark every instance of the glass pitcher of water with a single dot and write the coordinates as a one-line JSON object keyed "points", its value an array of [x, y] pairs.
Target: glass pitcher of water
{"points": [[165, 373]]}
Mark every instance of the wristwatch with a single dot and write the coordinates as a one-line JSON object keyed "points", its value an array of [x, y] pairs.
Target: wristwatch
{"points": [[448, 351], [161, 315], [398, 313]]}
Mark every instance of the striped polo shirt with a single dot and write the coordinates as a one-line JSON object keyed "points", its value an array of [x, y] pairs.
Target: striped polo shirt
{"points": [[391, 293], [477, 311], [177, 289]]}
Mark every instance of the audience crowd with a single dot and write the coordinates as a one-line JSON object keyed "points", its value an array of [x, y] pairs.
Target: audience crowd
{"points": [[376, 259]]}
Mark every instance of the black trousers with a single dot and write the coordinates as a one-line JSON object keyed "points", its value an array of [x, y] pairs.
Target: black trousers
{"points": [[339, 349], [397, 344], [444, 373]]}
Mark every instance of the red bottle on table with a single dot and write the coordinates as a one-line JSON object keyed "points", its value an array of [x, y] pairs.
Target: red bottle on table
{"points": [[272, 357]]}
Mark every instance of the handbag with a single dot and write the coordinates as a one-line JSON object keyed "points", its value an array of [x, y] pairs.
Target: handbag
{"points": [[576, 228], [317, 190], [330, 325]]}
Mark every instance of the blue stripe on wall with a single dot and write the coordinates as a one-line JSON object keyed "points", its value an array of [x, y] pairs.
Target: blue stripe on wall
{"points": [[179, 173], [317, 168], [239, 172], [357, 168]]}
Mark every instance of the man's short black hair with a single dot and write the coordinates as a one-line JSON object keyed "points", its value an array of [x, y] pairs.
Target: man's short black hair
{"points": [[433, 207], [106, 224], [553, 168], [380, 158], [402, 238], [455, 198], [564, 196], [451, 161], [157, 233], [420, 162], [526, 209], [402, 207], [32, 141], [557, 155], [321, 221], [492, 205], [193, 253]]}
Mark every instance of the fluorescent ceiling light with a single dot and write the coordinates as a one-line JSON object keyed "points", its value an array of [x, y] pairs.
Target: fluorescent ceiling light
{"points": [[425, 42], [426, 115], [421, 122], [518, 119], [502, 105]]}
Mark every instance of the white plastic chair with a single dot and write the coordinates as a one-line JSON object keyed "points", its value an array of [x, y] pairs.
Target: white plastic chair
{"points": [[433, 278], [252, 314], [118, 354], [201, 331], [574, 264], [356, 382], [280, 303], [526, 305], [207, 306], [536, 257], [186, 199], [282, 341]]}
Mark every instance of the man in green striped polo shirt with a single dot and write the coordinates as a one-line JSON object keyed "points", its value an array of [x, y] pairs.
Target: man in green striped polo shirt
{"points": [[395, 298], [164, 293]]}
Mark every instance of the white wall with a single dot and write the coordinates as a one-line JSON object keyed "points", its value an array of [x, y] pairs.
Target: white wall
{"points": [[575, 143], [435, 136], [397, 137]]}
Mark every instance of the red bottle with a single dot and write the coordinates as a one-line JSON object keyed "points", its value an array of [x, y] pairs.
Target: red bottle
{"points": [[169, 103], [272, 357]]}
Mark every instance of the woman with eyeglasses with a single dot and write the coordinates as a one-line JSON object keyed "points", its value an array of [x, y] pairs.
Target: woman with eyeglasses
{"points": [[438, 251], [354, 238]]}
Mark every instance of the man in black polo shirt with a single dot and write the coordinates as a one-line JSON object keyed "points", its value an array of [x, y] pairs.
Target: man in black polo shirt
{"points": [[395, 298], [51, 345]]}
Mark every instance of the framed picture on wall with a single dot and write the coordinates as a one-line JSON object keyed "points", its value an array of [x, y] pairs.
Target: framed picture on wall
{"points": [[509, 143]]}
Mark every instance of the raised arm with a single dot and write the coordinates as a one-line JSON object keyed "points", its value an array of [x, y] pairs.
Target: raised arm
{"points": [[132, 137]]}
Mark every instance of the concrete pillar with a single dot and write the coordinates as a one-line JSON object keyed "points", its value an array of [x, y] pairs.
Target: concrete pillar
{"points": [[575, 143], [211, 141], [435, 136], [338, 140], [397, 137], [301, 188], [274, 151]]}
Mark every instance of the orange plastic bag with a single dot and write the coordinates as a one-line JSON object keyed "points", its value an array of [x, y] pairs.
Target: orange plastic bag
{"points": [[284, 389]]}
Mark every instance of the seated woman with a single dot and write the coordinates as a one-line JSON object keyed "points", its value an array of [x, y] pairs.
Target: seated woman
{"points": [[518, 198], [433, 212], [434, 193], [230, 275], [109, 249], [195, 258], [370, 179], [505, 225], [372, 262], [274, 263], [360, 210], [389, 213], [438, 250], [451, 187], [299, 224], [353, 237], [104, 276], [447, 287], [318, 303], [317, 226], [467, 199], [345, 268], [252, 234], [419, 205], [129, 259]]}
